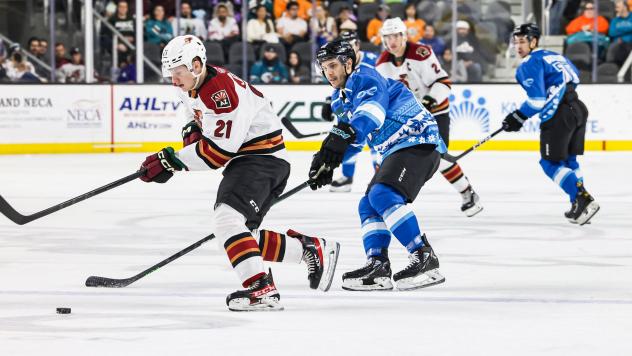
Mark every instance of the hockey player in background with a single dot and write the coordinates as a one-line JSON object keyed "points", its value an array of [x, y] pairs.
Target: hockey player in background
{"points": [[386, 114], [418, 68], [550, 80], [343, 184], [232, 124]]}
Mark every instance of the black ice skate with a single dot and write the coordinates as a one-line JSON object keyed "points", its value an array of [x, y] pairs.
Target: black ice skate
{"points": [[375, 275], [584, 207], [422, 270], [470, 205], [320, 257], [342, 184], [261, 295]]}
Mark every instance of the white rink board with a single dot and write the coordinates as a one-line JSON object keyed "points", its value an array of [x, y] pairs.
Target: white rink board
{"points": [[54, 113]]}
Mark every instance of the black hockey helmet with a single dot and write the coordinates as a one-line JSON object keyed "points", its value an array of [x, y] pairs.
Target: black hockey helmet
{"points": [[530, 30], [348, 35], [339, 49]]}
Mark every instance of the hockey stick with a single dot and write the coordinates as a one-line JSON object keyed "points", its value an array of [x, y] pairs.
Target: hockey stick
{"points": [[7, 210], [294, 131], [96, 281], [450, 158]]}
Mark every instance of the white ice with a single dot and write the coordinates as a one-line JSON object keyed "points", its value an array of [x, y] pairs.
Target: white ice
{"points": [[520, 279]]}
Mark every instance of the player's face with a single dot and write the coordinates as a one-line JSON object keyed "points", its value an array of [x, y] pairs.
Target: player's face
{"points": [[334, 72], [395, 43], [523, 46], [182, 78]]}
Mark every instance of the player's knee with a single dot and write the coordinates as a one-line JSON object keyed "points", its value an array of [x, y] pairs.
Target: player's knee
{"points": [[572, 163], [365, 210], [228, 222], [549, 167], [382, 197]]}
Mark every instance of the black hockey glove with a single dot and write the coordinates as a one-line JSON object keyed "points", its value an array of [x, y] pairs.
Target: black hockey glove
{"points": [[191, 133], [326, 112], [319, 174], [428, 102], [160, 166], [514, 121], [336, 143]]}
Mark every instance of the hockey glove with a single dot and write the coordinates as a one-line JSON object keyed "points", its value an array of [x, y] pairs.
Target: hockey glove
{"points": [[160, 166], [326, 112], [319, 174], [514, 121], [336, 143], [428, 102], [191, 133]]}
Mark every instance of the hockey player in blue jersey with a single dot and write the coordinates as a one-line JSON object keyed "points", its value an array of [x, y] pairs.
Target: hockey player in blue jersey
{"points": [[343, 184], [387, 115], [550, 80]]}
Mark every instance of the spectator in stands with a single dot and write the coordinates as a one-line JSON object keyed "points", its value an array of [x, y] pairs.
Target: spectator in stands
{"points": [[34, 48], [460, 75], [73, 71], [127, 70], [297, 71], [223, 27], [621, 32], [430, 39], [189, 25], [18, 68], [158, 30], [346, 20], [415, 26], [60, 55], [43, 49], [291, 28], [324, 26], [586, 21], [253, 6], [261, 29], [123, 22], [3, 56], [281, 8], [374, 26], [468, 50], [269, 69]]}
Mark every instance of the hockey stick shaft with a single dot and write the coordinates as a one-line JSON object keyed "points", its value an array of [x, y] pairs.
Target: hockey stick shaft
{"points": [[96, 281], [296, 133], [453, 159], [7, 210]]}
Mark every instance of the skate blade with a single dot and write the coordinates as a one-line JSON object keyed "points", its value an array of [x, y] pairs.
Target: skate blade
{"points": [[473, 210], [430, 278], [243, 305], [331, 255], [590, 211], [382, 283]]}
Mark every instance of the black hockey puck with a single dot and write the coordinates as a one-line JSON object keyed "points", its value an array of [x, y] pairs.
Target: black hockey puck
{"points": [[63, 310]]}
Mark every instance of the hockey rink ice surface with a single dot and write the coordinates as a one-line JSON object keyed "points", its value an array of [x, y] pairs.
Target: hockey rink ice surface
{"points": [[520, 280]]}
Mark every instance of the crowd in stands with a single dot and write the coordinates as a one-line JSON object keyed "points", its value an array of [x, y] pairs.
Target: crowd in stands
{"points": [[280, 32]]}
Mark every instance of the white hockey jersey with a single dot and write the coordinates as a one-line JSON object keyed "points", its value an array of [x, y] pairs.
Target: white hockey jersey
{"points": [[421, 72], [236, 120]]}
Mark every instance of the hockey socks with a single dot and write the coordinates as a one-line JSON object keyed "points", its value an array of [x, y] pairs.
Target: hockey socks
{"points": [[452, 173], [277, 247], [245, 257], [375, 235], [562, 175]]}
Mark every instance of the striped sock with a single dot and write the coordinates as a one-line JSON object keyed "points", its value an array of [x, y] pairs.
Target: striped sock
{"points": [[562, 176], [402, 222], [276, 247], [455, 176], [375, 236], [245, 257]]}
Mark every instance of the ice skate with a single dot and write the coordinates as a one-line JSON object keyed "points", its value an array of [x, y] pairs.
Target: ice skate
{"points": [[470, 204], [261, 295], [583, 209], [320, 257], [422, 270], [375, 275], [342, 184]]}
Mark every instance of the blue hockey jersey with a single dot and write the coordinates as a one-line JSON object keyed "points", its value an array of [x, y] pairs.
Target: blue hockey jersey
{"points": [[384, 112], [368, 58], [544, 75]]}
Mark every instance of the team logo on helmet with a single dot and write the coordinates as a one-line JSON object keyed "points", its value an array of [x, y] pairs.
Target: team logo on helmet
{"points": [[221, 99]]}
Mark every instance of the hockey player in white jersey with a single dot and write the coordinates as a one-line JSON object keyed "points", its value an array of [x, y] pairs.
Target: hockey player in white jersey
{"points": [[417, 67], [233, 125]]}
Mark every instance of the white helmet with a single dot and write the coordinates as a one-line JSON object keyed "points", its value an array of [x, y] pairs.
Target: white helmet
{"points": [[393, 26], [181, 51]]}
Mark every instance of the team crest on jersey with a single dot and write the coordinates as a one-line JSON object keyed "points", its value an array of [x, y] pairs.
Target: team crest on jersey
{"points": [[221, 99], [423, 52]]}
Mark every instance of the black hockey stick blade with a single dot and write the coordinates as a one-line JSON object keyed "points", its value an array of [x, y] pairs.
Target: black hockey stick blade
{"points": [[96, 281], [295, 132], [450, 158], [7, 210]]}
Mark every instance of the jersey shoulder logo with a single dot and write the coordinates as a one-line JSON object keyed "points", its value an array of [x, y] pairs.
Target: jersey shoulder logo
{"points": [[528, 82], [423, 51], [221, 99]]}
